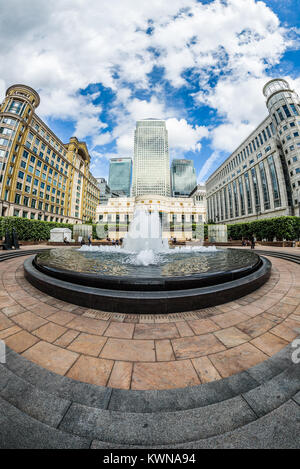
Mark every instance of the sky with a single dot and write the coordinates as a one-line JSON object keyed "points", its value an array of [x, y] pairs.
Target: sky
{"points": [[99, 66]]}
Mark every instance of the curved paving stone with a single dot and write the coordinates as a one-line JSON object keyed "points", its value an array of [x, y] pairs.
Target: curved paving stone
{"points": [[279, 429], [146, 401], [274, 392], [19, 431], [149, 428], [38, 404], [258, 407], [66, 388]]}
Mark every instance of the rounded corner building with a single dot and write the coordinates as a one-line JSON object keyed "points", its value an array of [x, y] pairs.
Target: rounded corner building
{"points": [[261, 178], [41, 178]]}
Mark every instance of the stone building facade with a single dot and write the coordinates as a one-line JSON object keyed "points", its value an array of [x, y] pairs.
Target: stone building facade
{"points": [[261, 178], [42, 178]]}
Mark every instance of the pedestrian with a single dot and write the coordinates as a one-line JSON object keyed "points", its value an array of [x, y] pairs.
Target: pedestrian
{"points": [[90, 240], [252, 242]]}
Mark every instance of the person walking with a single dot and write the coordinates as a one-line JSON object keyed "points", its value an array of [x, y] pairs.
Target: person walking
{"points": [[252, 242], [90, 240]]}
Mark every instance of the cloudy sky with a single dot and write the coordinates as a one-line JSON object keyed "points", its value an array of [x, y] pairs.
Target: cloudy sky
{"points": [[101, 65]]}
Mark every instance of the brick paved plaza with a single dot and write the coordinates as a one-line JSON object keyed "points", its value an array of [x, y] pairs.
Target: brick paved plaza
{"points": [[153, 352]]}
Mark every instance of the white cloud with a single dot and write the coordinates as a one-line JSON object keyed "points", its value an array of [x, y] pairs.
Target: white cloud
{"points": [[185, 137], [208, 166], [59, 48]]}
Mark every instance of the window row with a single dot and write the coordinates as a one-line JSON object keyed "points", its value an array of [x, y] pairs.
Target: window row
{"points": [[236, 199]]}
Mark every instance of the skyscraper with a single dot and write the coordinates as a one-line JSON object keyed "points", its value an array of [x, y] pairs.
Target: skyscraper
{"points": [[183, 177], [151, 165], [120, 176]]}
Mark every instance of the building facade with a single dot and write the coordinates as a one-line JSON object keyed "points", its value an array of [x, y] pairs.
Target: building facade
{"points": [[40, 177], [261, 178], [151, 164], [179, 216], [104, 190], [119, 180], [199, 195], [183, 177]]}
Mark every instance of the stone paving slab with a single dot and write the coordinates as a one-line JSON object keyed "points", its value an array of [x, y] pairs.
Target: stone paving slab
{"points": [[19, 431], [279, 429], [97, 396], [32, 401], [210, 344], [256, 406], [274, 392], [147, 428]]}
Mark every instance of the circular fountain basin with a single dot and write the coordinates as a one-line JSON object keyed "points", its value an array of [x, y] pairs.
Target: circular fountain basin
{"points": [[182, 279]]}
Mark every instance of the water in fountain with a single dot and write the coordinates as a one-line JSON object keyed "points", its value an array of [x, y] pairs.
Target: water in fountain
{"points": [[144, 242], [145, 237]]}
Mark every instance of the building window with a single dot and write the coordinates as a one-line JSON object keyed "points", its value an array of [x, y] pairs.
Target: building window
{"points": [[225, 203], [17, 198], [235, 199], [15, 107], [287, 111], [264, 186], [294, 109], [248, 192], [242, 199], [280, 115], [275, 185], [256, 190]]}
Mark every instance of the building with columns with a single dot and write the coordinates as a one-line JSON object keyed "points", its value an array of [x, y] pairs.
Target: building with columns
{"points": [[179, 215], [261, 178], [41, 177]]}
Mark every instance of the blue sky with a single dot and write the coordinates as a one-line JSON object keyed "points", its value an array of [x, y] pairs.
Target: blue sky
{"points": [[99, 66]]}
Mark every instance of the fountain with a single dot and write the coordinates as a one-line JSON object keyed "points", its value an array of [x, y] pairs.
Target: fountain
{"points": [[145, 275]]}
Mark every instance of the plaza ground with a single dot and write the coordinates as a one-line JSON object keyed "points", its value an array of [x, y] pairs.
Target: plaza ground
{"points": [[130, 355]]}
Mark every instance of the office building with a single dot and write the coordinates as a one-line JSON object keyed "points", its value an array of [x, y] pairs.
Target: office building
{"points": [[40, 177], [120, 176], [183, 177], [261, 178], [151, 164]]}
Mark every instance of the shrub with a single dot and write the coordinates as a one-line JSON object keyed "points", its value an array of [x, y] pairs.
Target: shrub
{"points": [[280, 227], [30, 230]]}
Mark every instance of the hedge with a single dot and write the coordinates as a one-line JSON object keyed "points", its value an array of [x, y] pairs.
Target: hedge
{"points": [[30, 230], [280, 227], [269, 228]]}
